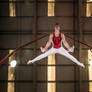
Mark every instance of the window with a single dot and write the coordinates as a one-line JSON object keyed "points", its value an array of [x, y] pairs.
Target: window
{"points": [[90, 70], [51, 70], [51, 6], [12, 8], [11, 76], [51, 87], [89, 8]]}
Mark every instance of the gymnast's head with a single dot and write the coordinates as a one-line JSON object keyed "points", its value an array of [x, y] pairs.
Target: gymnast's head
{"points": [[57, 27]]}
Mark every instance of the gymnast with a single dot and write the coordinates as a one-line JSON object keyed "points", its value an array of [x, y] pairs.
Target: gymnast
{"points": [[57, 39]]}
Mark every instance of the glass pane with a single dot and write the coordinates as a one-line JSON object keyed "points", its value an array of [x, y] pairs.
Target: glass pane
{"points": [[89, 9], [51, 7], [11, 75], [12, 8], [51, 74], [90, 70]]}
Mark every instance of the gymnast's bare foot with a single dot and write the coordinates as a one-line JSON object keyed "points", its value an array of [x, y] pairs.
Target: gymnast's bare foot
{"points": [[29, 62], [82, 65]]}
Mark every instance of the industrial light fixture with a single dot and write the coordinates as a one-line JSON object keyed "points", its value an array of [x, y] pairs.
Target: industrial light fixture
{"points": [[13, 63]]}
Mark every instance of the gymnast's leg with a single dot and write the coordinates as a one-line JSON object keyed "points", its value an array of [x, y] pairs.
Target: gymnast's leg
{"points": [[47, 53], [64, 52]]}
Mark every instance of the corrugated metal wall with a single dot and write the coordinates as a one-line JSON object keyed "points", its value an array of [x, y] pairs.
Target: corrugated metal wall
{"points": [[16, 31]]}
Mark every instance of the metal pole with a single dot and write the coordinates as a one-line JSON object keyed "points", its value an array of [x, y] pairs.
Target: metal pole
{"points": [[35, 45], [79, 25]]}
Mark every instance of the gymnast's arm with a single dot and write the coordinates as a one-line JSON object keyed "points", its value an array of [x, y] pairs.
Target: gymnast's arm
{"points": [[48, 44], [65, 42]]}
